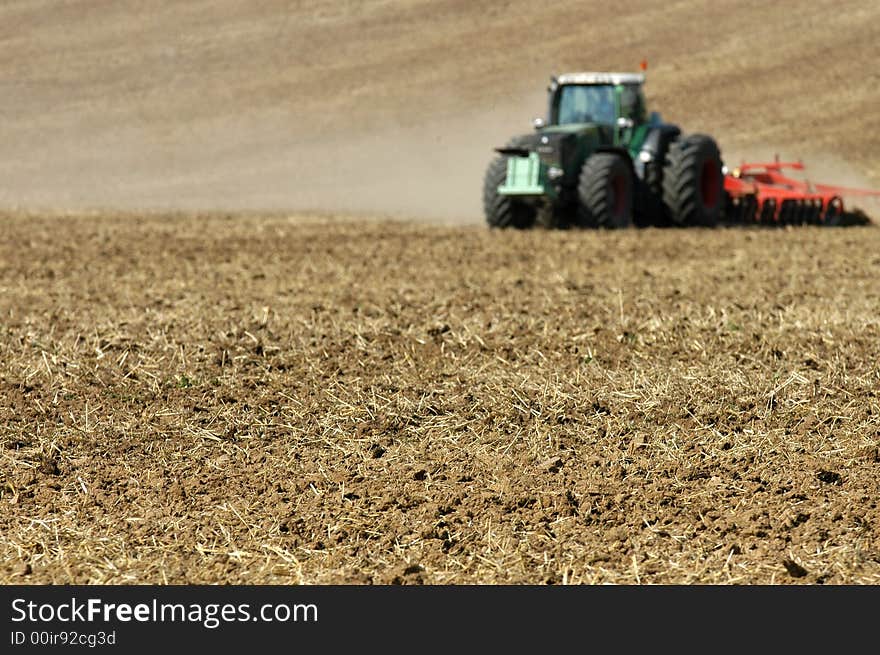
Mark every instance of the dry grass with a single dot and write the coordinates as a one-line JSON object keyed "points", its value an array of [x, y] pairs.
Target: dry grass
{"points": [[307, 399]]}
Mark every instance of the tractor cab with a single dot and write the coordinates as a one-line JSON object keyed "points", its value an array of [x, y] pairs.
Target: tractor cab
{"points": [[597, 98], [613, 102]]}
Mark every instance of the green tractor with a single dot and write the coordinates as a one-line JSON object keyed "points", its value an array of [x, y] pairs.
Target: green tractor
{"points": [[600, 160]]}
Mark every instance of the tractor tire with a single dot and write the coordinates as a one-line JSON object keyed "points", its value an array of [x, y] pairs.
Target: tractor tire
{"points": [[605, 192], [693, 182], [503, 211]]}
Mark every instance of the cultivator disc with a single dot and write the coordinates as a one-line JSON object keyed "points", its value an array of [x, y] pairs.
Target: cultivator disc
{"points": [[763, 194]]}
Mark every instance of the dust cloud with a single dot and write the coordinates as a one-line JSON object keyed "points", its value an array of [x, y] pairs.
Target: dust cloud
{"points": [[431, 171]]}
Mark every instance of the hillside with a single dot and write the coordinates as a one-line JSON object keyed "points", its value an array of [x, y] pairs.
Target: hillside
{"points": [[393, 106]]}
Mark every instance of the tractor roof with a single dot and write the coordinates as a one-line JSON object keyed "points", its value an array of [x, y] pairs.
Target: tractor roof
{"points": [[600, 78]]}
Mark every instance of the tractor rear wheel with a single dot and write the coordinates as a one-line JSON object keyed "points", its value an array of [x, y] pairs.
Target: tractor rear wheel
{"points": [[605, 192], [693, 182], [503, 211]]}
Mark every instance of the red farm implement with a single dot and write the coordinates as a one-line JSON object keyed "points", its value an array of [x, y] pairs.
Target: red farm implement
{"points": [[762, 193]]}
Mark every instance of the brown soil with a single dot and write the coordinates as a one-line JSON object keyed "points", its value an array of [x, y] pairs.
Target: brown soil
{"points": [[305, 399], [290, 396]]}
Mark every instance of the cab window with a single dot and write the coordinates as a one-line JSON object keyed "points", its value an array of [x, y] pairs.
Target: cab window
{"points": [[586, 103]]}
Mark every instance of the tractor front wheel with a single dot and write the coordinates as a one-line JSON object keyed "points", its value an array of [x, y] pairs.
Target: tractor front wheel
{"points": [[503, 211], [605, 192], [693, 182]]}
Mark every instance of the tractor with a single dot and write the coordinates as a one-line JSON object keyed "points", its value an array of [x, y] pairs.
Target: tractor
{"points": [[600, 160]]}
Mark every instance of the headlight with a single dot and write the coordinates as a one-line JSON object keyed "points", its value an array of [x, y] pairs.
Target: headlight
{"points": [[554, 173]]}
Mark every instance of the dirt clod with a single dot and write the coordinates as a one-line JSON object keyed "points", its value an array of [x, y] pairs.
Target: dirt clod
{"points": [[829, 477], [794, 569]]}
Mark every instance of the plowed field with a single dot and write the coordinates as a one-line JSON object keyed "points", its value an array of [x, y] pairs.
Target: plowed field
{"points": [[253, 330]]}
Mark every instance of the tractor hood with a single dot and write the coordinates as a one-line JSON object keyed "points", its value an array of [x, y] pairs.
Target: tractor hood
{"points": [[553, 136], [555, 145]]}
